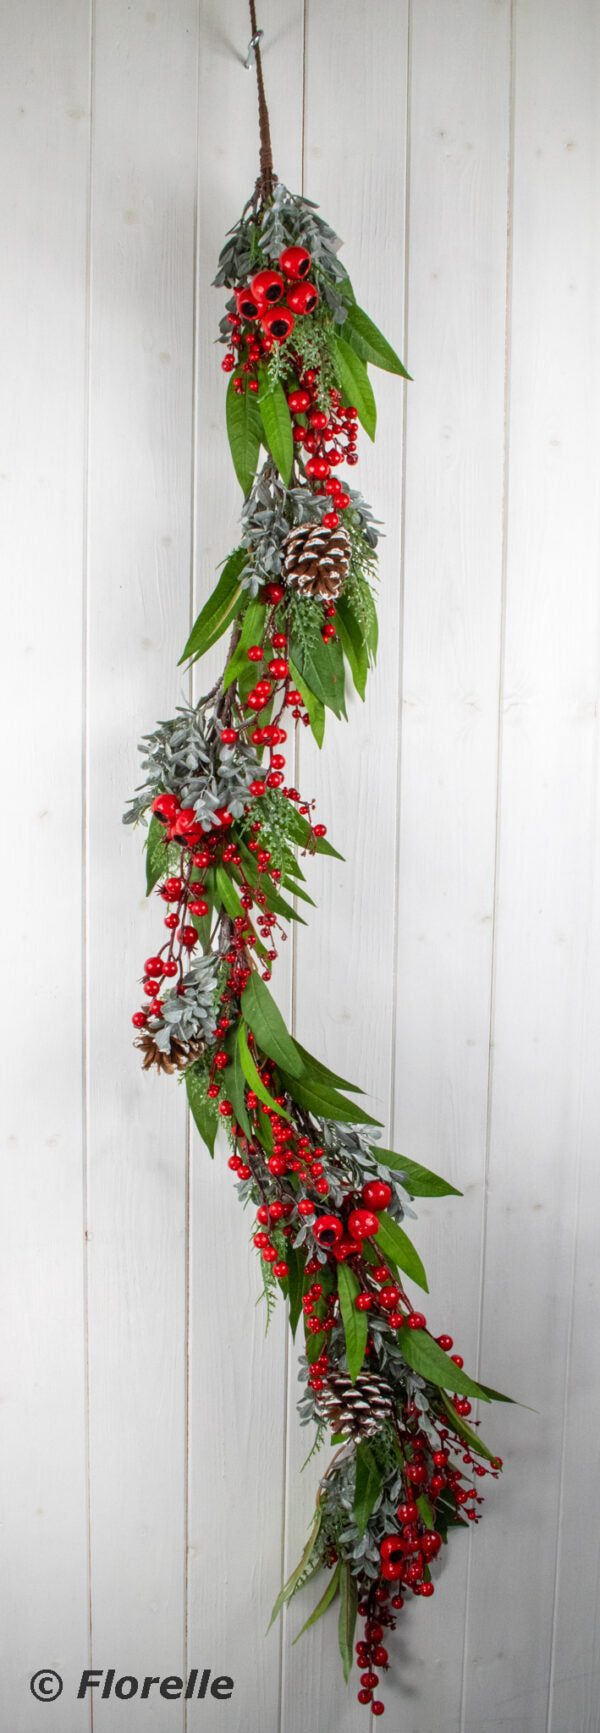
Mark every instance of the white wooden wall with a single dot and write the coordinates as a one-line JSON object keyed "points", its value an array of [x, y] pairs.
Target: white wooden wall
{"points": [[150, 1482]]}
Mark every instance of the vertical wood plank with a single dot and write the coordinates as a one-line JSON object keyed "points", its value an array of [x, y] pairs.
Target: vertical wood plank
{"points": [[541, 1125], [355, 131], [44, 156], [459, 152], [237, 1379], [144, 191]]}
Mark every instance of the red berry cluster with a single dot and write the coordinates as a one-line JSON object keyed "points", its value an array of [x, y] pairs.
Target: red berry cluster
{"points": [[263, 318], [329, 438]]}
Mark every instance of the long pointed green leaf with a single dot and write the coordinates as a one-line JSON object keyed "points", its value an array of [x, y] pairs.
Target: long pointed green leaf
{"points": [[356, 384], [266, 1022], [347, 1619], [325, 1602], [220, 609], [321, 1074], [368, 1485], [277, 424], [394, 1243], [467, 1432], [426, 1356], [321, 668], [326, 1102], [314, 705], [244, 430], [370, 343], [204, 1112], [355, 1323], [285, 1594], [420, 1181], [252, 1076]]}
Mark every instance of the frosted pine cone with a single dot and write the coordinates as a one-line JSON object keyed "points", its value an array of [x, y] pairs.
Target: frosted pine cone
{"points": [[361, 1408], [316, 560], [177, 1059]]}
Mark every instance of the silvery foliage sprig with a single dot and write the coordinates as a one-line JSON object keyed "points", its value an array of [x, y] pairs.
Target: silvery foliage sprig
{"points": [[187, 757], [288, 220], [189, 1017], [267, 517], [338, 1489]]}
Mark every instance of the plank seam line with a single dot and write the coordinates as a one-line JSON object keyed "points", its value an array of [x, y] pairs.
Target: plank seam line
{"points": [[510, 176], [400, 664], [188, 1122], [84, 822], [287, 1372]]}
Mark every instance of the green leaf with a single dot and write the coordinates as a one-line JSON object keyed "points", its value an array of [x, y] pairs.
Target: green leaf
{"points": [[251, 1074], [325, 1602], [252, 633], [295, 1260], [227, 893], [369, 1481], [326, 1102], [353, 645], [157, 853], [266, 1022], [394, 1243], [244, 429], [470, 1436], [204, 1112], [277, 424], [419, 1180], [347, 1619], [314, 705], [355, 1323], [355, 383], [320, 1073], [296, 891], [299, 832], [220, 609], [285, 1594], [321, 667], [370, 344], [426, 1357], [425, 1511], [233, 1081]]}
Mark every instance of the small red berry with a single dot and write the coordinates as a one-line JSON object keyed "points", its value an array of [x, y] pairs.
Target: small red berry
{"points": [[376, 1194], [331, 520], [225, 1109], [139, 1019], [416, 1321]]}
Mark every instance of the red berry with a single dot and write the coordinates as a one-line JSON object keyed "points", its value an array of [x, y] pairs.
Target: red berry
{"points": [[389, 1297], [331, 520], [363, 1695], [363, 1302], [228, 363], [189, 937], [170, 968], [416, 1321], [279, 640], [255, 654], [139, 1019], [295, 262], [305, 1207], [376, 1194], [225, 1108], [378, 1708], [396, 1320], [430, 1544], [228, 736], [257, 788], [279, 668], [319, 830], [281, 1269], [212, 1091], [153, 966], [198, 907], [267, 286], [446, 1343], [172, 889], [302, 298], [171, 921], [362, 1223]]}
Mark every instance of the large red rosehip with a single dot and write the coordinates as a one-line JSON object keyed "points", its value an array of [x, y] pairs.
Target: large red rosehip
{"points": [[267, 286], [165, 806], [295, 262], [302, 298], [247, 305], [362, 1223], [278, 323], [376, 1194], [328, 1230]]}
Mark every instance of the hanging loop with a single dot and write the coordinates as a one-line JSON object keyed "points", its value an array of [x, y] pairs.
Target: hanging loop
{"points": [[252, 47]]}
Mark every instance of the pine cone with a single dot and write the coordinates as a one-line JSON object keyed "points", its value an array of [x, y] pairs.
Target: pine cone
{"points": [[316, 560], [359, 1408], [179, 1057]]}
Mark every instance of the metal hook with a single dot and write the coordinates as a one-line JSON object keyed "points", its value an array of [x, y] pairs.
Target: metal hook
{"points": [[252, 47]]}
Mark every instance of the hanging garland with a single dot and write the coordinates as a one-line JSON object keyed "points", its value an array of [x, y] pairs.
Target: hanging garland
{"points": [[221, 854]]}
